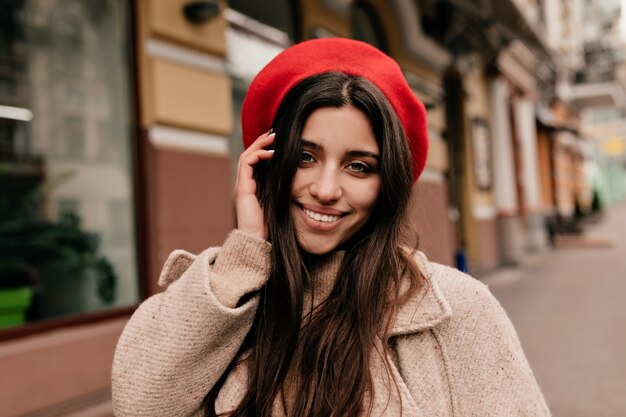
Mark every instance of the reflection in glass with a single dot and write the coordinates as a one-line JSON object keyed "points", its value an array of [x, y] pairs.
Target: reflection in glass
{"points": [[67, 243]]}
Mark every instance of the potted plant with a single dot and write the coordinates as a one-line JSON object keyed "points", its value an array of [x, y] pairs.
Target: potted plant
{"points": [[42, 260], [17, 283]]}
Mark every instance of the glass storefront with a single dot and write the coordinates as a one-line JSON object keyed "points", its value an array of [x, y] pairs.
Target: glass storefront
{"points": [[67, 227]]}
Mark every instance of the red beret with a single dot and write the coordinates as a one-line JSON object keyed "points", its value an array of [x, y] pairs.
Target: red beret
{"points": [[351, 57]]}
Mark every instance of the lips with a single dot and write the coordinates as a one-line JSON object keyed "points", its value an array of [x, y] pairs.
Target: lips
{"points": [[320, 218], [325, 218]]}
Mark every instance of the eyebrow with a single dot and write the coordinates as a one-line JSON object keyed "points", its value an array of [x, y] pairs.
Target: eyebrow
{"points": [[352, 153]]}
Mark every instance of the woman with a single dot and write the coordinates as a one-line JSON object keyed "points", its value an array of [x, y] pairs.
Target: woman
{"points": [[314, 306]]}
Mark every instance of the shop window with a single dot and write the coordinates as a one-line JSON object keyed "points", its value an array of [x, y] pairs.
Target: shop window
{"points": [[67, 227]]}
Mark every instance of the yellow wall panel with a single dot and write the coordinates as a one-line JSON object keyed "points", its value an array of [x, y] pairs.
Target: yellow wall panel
{"points": [[437, 118], [315, 15], [437, 155], [191, 98], [167, 20]]}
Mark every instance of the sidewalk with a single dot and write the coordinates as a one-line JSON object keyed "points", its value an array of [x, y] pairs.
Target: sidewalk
{"points": [[568, 307]]}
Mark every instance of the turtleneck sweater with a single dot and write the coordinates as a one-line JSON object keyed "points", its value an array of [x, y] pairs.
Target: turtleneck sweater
{"points": [[322, 272], [456, 353], [323, 275]]}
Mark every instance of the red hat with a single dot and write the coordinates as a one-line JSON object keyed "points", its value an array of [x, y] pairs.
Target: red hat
{"points": [[351, 57]]}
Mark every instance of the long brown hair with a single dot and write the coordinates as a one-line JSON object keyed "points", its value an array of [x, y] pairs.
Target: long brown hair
{"points": [[336, 342]]}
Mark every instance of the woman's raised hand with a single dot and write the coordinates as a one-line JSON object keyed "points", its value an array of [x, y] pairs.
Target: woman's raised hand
{"points": [[247, 207]]}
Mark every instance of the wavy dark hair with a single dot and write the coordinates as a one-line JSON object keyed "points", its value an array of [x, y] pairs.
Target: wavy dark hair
{"points": [[336, 341]]}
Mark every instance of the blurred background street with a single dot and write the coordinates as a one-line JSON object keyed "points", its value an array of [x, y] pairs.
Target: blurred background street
{"points": [[120, 132], [569, 310]]}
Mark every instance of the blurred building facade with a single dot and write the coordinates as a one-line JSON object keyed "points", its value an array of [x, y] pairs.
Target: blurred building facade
{"points": [[589, 113], [134, 128]]}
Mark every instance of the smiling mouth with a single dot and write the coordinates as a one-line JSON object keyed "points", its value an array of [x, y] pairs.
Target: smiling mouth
{"points": [[324, 218]]}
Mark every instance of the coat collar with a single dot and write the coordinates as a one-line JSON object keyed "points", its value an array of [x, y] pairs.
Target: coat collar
{"points": [[426, 308], [423, 310]]}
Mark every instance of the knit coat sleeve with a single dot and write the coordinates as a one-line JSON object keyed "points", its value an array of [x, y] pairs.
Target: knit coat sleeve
{"points": [[178, 343]]}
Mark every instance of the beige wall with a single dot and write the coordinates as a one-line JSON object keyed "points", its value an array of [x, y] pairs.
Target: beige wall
{"points": [[191, 98], [71, 365], [166, 20], [429, 220], [316, 15], [564, 179], [545, 170], [478, 204], [186, 93]]}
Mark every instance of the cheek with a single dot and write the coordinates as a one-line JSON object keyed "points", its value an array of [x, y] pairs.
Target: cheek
{"points": [[298, 184], [365, 196]]}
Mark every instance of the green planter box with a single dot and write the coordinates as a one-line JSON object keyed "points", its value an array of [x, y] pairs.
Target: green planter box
{"points": [[13, 305]]}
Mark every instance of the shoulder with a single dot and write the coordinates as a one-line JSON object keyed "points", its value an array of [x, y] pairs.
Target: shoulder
{"points": [[444, 295], [478, 345], [457, 289], [473, 307], [481, 349], [454, 283], [477, 327]]}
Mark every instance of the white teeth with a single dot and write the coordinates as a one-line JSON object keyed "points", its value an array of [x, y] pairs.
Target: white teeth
{"points": [[320, 217]]}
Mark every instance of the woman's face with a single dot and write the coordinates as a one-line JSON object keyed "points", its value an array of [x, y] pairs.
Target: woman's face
{"points": [[337, 182]]}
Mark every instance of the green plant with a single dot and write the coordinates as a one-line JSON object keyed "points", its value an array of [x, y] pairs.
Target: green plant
{"points": [[28, 242]]}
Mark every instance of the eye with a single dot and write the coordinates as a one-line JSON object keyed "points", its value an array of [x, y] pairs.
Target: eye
{"points": [[306, 158], [359, 167]]}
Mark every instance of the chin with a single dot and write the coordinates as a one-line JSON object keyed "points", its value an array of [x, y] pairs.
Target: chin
{"points": [[317, 248]]}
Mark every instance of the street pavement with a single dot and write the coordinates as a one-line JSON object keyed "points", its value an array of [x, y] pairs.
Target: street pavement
{"points": [[569, 308]]}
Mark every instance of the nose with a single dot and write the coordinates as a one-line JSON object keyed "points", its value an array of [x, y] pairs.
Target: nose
{"points": [[326, 187]]}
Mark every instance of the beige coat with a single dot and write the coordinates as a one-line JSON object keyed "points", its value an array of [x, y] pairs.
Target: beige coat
{"points": [[456, 353]]}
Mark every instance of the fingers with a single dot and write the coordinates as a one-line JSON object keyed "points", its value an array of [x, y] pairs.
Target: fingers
{"points": [[248, 210], [254, 157], [255, 152], [248, 159], [262, 141]]}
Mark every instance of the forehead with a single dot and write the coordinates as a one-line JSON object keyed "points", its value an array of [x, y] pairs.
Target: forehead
{"points": [[340, 128]]}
